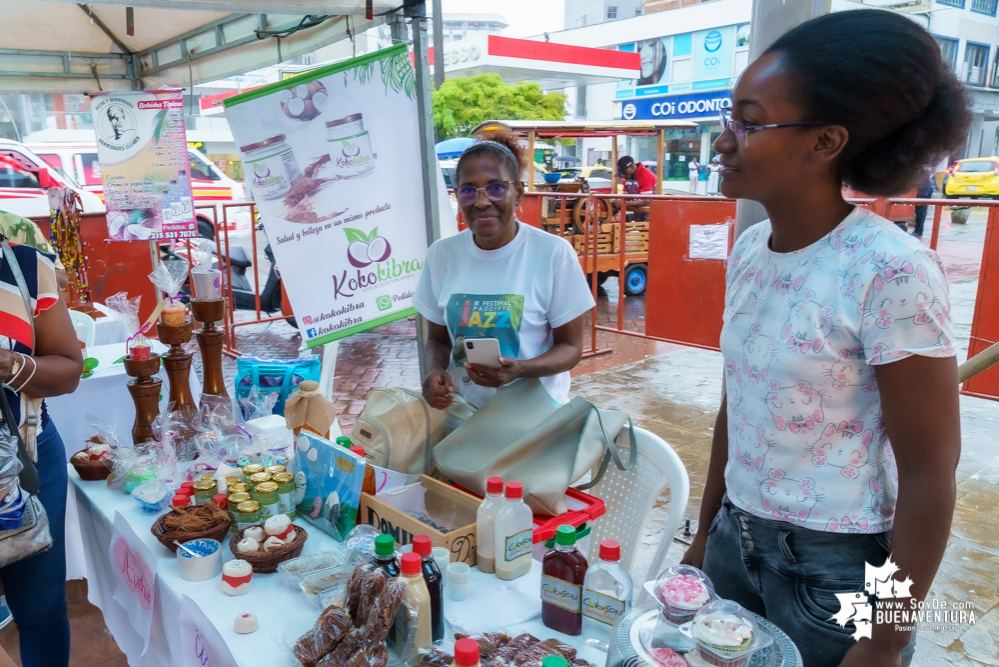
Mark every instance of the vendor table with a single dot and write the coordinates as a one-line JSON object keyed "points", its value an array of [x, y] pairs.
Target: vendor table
{"points": [[284, 614]]}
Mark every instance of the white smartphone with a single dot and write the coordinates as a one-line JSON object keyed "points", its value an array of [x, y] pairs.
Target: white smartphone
{"points": [[483, 351]]}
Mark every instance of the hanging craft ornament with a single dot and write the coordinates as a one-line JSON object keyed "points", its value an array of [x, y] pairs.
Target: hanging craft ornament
{"points": [[65, 238]]}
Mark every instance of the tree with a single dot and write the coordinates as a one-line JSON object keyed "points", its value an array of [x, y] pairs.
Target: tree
{"points": [[463, 102]]}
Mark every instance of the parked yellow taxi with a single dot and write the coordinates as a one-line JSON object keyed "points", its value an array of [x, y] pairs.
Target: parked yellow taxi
{"points": [[976, 177]]}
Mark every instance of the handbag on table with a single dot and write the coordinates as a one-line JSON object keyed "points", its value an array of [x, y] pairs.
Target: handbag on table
{"points": [[523, 436]]}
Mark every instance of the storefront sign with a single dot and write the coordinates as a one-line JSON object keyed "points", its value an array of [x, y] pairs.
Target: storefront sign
{"points": [[135, 580], [713, 53], [696, 105], [333, 161], [201, 645], [142, 148]]}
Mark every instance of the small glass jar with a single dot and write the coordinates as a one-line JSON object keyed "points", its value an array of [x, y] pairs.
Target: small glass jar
{"points": [[247, 514], [270, 167], [238, 487], [204, 489], [208, 475], [350, 147], [232, 479], [258, 479], [286, 493], [270, 501], [236, 499], [251, 469], [276, 469]]}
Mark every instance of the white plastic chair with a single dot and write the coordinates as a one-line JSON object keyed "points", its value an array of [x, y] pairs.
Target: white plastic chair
{"points": [[84, 325], [629, 497]]}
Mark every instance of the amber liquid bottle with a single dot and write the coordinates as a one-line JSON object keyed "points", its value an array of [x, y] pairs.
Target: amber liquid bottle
{"points": [[562, 574]]}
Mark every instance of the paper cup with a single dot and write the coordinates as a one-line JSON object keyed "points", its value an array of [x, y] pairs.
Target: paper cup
{"points": [[207, 284], [442, 556], [457, 580]]}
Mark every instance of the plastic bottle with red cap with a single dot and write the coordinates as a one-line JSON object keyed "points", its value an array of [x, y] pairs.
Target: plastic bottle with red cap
{"points": [[606, 592], [423, 546], [514, 535], [369, 485], [466, 653], [485, 524], [417, 602]]}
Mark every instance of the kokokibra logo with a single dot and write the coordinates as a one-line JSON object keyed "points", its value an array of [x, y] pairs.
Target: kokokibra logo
{"points": [[894, 605], [363, 251]]}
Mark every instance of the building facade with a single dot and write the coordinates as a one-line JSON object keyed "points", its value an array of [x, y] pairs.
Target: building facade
{"points": [[579, 13]]}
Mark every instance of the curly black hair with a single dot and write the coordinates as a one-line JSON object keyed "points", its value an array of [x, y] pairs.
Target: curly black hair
{"points": [[502, 144], [879, 75]]}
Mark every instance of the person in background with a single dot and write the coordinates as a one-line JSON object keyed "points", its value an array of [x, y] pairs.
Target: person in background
{"points": [[694, 172], [502, 279], [45, 364], [637, 179], [925, 192], [824, 458], [21, 230], [714, 170]]}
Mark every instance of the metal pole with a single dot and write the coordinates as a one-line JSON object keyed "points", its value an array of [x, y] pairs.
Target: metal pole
{"points": [[438, 44], [771, 19], [429, 168]]}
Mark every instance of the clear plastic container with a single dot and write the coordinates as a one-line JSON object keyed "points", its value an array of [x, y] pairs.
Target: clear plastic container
{"points": [[681, 591], [294, 569], [725, 634], [315, 583]]}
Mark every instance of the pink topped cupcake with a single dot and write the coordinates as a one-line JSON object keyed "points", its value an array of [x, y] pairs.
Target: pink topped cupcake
{"points": [[667, 657], [681, 596]]}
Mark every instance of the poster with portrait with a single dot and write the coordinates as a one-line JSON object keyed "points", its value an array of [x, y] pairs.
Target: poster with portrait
{"points": [[144, 168], [653, 57]]}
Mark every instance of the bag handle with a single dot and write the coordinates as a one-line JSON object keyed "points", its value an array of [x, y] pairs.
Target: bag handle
{"points": [[612, 453]]}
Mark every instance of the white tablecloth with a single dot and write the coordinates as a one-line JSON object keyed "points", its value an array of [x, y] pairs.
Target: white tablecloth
{"points": [[281, 611]]}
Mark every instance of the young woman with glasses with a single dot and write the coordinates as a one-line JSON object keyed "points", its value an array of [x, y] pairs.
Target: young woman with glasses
{"points": [[839, 432], [501, 279]]}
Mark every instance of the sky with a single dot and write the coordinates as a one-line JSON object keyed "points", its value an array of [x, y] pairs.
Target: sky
{"points": [[526, 17]]}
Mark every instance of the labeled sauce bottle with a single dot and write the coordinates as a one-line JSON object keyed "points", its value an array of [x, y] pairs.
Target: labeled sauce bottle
{"points": [[385, 555], [514, 535], [563, 572], [485, 525], [435, 583], [368, 485], [417, 604], [466, 653]]}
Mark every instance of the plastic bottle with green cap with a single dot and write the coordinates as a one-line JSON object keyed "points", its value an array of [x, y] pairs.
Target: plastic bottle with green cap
{"points": [[385, 555], [563, 571], [343, 441], [554, 661]]}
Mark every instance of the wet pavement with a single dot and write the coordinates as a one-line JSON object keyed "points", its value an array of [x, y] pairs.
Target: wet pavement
{"points": [[680, 390]]}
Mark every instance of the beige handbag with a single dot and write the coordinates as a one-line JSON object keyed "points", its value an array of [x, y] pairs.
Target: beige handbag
{"points": [[523, 436]]}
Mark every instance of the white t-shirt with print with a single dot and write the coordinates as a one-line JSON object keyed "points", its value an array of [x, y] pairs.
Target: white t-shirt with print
{"points": [[517, 294], [802, 333]]}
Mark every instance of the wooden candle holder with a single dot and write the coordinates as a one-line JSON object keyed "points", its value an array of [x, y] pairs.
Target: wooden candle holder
{"points": [[145, 391], [211, 341], [177, 363]]}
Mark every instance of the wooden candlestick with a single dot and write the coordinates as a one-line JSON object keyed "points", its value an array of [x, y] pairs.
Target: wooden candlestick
{"points": [[145, 391], [177, 363], [210, 340]]}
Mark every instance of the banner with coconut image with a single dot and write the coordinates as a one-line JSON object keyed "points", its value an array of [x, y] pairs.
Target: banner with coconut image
{"points": [[332, 159], [142, 150]]}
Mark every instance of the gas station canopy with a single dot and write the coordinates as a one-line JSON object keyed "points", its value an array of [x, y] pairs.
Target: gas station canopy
{"points": [[58, 46]]}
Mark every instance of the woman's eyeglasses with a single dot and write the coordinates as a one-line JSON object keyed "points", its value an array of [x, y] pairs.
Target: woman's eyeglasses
{"points": [[496, 191], [741, 130]]}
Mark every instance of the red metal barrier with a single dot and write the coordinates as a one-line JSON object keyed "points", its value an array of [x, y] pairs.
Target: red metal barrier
{"points": [[985, 325]]}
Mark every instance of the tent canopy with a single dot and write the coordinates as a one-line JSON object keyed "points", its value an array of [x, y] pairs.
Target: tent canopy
{"points": [[62, 46]]}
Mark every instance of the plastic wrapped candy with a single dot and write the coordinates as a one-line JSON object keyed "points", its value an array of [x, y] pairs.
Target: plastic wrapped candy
{"points": [[207, 281], [152, 496], [169, 276], [680, 591], [125, 312], [131, 464]]}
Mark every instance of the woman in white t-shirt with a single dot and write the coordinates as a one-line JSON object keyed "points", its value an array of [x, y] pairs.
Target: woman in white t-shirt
{"points": [[839, 433], [502, 279]]}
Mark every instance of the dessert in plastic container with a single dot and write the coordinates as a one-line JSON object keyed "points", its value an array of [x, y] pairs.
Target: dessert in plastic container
{"points": [[152, 496], [315, 583], [292, 570], [725, 634], [681, 591]]}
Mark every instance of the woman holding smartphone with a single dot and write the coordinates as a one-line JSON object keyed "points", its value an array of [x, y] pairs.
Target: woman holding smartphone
{"points": [[838, 436], [517, 287]]}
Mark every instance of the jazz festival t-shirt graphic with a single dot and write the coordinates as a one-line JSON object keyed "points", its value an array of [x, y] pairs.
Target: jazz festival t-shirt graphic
{"points": [[485, 316]]}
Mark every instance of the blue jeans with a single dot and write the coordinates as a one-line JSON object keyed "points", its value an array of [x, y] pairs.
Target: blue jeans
{"points": [[36, 586], [790, 575]]}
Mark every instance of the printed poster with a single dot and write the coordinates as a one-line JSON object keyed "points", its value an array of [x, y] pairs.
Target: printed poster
{"points": [[135, 577], [144, 165], [201, 644], [332, 159]]}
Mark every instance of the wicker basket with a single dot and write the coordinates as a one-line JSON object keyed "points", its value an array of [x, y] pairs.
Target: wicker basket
{"points": [[167, 539], [265, 562], [91, 471]]}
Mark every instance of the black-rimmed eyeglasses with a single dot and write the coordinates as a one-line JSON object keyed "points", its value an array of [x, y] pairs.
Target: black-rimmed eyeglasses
{"points": [[741, 131]]}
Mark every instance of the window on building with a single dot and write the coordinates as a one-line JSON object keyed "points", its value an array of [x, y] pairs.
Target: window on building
{"points": [[611, 12], [948, 49], [976, 60], [682, 70], [638, 10], [952, 3], [984, 6]]}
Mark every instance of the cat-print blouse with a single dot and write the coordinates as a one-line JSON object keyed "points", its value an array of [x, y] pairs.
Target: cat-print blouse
{"points": [[802, 333]]}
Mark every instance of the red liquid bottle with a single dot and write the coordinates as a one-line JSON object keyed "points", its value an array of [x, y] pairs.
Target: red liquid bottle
{"points": [[562, 574]]}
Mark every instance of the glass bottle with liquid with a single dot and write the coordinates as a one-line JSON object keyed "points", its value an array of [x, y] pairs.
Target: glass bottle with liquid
{"points": [[607, 592], [485, 525], [514, 535], [435, 583], [385, 555], [563, 572], [417, 602]]}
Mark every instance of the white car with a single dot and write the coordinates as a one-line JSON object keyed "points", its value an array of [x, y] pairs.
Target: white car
{"points": [[211, 185], [24, 181]]}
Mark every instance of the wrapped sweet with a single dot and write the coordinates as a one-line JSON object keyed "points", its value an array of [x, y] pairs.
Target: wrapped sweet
{"points": [[237, 577], [279, 526], [255, 533], [169, 275], [273, 543], [246, 623], [248, 545], [681, 591]]}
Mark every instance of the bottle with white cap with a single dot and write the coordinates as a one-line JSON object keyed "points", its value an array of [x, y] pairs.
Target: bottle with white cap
{"points": [[514, 535], [607, 592], [485, 525]]}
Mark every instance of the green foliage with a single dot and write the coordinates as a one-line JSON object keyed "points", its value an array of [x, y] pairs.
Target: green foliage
{"points": [[464, 102], [358, 235]]}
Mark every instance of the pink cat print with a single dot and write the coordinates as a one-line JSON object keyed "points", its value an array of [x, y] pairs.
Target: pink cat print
{"points": [[784, 282], [844, 446], [854, 277], [894, 299], [808, 325], [757, 351], [752, 444], [787, 499], [853, 240], [796, 407], [850, 370], [753, 304]]}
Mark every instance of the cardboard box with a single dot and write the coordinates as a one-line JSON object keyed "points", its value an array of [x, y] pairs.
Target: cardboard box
{"points": [[444, 505]]}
